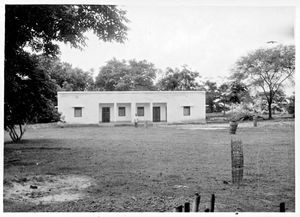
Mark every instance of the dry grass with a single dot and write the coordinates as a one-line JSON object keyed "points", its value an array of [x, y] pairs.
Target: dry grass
{"points": [[157, 168]]}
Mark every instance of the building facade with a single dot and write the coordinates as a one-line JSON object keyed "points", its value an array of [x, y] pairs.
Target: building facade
{"points": [[96, 107]]}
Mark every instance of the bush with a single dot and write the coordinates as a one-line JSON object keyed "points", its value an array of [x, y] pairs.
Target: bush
{"points": [[240, 112], [47, 115]]}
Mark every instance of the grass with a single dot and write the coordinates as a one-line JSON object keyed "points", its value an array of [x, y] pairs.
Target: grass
{"points": [[156, 168]]}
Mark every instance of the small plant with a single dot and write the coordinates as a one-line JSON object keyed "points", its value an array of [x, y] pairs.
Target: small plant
{"points": [[234, 117], [240, 112], [237, 113]]}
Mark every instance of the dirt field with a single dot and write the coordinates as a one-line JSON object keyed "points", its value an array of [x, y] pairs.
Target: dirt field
{"points": [[148, 169]]}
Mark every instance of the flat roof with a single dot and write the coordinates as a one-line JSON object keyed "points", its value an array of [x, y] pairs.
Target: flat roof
{"points": [[131, 92]]}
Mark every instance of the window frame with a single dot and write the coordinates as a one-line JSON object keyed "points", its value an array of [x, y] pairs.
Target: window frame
{"points": [[186, 108], [140, 108], [122, 108], [76, 114]]}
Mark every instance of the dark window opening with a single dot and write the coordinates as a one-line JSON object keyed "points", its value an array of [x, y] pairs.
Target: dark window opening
{"points": [[140, 111], [77, 112], [186, 110], [122, 111]]}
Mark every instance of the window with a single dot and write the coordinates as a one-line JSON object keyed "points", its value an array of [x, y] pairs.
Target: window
{"points": [[140, 111], [77, 112], [186, 110], [122, 111]]}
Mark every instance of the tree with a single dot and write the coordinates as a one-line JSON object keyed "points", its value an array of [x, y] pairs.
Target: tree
{"points": [[143, 73], [280, 101], [176, 79], [211, 95], [28, 98], [222, 98], [238, 92], [291, 105], [267, 68], [65, 76], [122, 76], [28, 89]]}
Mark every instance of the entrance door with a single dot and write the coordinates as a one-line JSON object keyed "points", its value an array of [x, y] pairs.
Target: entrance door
{"points": [[156, 114], [105, 114]]}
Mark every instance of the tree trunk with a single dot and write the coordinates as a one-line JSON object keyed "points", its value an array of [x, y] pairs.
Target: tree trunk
{"points": [[270, 105], [14, 134]]}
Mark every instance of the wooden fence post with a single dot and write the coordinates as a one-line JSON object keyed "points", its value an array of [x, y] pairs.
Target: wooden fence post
{"points": [[255, 120], [212, 203], [187, 207], [196, 203], [178, 209], [282, 207]]}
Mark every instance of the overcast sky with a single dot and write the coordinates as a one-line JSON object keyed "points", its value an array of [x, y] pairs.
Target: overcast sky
{"points": [[207, 39]]}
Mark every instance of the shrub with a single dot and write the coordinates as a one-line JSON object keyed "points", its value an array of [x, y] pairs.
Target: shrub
{"points": [[240, 112]]}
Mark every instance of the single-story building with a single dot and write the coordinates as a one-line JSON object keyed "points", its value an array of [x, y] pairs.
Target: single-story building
{"points": [[96, 107]]}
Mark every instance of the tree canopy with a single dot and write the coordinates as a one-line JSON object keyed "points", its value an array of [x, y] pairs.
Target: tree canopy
{"points": [[122, 75], [176, 79], [40, 26], [211, 95], [268, 69], [65, 76], [28, 88]]}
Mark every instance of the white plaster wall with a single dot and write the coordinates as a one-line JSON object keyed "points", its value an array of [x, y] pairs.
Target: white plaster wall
{"points": [[127, 116], [91, 113], [146, 116], [197, 108], [90, 108]]}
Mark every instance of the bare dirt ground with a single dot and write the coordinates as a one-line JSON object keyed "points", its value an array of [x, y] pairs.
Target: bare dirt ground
{"points": [[100, 169], [44, 189]]}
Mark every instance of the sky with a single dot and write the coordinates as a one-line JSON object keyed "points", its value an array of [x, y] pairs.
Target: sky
{"points": [[207, 39]]}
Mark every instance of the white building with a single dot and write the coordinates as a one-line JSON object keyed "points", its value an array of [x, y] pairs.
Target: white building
{"points": [[94, 107]]}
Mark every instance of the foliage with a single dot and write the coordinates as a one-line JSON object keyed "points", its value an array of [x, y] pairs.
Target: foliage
{"points": [[267, 68], [39, 26], [176, 79], [279, 103], [238, 92], [240, 111], [222, 98], [28, 96], [291, 105], [211, 95], [28, 88], [65, 76], [120, 75]]}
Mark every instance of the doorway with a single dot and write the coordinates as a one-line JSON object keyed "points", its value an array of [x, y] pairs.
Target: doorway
{"points": [[156, 114], [105, 114]]}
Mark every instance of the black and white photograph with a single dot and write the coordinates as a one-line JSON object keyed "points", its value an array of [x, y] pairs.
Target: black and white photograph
{"points": [[149, 107]]}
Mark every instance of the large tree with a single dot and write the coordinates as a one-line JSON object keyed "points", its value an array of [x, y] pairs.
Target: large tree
{"points": [[38, 28], [267, 68], [238, 92], [65, 76], [123, 75], [179, 79]]}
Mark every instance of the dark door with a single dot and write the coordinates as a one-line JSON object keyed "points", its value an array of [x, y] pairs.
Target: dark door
{"points": [[156, 114], [105, 114]]}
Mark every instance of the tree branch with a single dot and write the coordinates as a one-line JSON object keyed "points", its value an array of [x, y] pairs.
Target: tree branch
{"points": [[279, 83]]}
